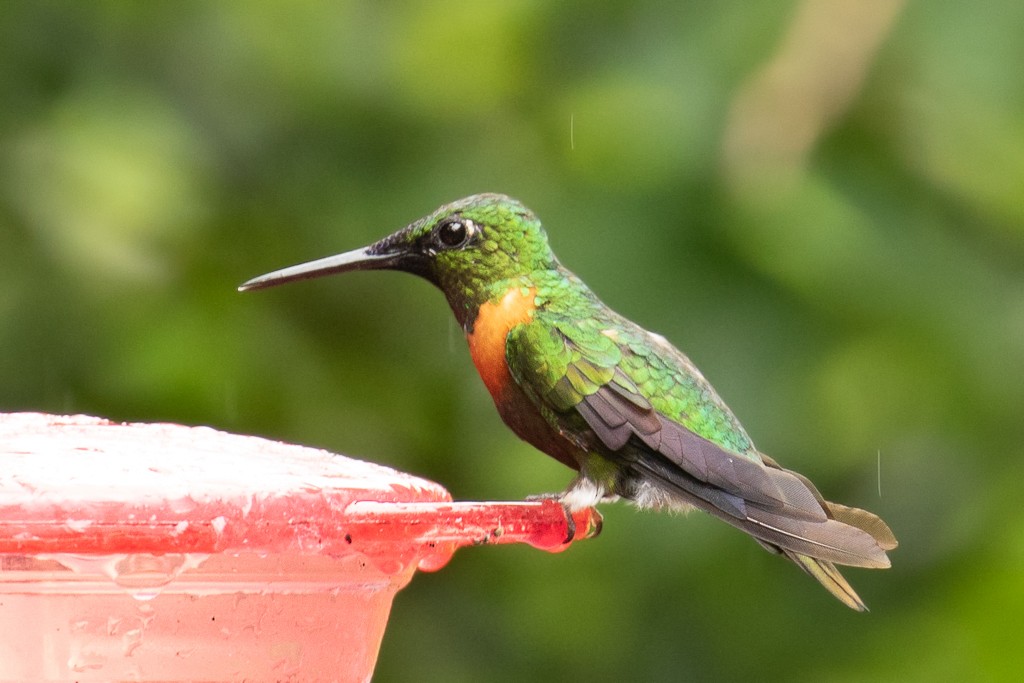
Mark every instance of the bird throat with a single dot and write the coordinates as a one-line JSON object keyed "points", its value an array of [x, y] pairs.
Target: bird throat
{"points": [[487, 340]]}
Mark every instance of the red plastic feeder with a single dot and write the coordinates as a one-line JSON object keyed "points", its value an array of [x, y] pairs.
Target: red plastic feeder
{"points": [[148, 552]]}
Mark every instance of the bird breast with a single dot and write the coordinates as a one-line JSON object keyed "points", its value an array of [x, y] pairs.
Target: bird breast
{"points": [[490, 329]]}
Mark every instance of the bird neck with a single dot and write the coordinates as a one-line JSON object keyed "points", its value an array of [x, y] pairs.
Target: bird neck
{"points": [[554, 286]]}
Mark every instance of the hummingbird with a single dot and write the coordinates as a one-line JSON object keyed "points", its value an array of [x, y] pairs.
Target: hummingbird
{"points": [[630, 413]]}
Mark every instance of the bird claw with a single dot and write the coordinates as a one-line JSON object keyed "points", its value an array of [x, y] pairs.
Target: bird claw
{"points": [[570, 525], [570, 521]]}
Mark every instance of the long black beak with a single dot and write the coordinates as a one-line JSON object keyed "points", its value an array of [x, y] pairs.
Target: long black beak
{"points": [[357, 259]]}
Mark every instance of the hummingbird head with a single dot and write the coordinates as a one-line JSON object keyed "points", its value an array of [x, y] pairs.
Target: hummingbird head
{"points": [[472, 249]]}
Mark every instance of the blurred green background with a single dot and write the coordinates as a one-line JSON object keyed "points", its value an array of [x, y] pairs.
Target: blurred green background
{"points": [[822, 202]]}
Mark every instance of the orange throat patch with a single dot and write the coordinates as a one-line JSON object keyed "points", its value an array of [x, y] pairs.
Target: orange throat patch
{"points": [[492, 325]]}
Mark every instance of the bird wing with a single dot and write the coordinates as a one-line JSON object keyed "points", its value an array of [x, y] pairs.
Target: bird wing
{"points": [[654, 413]]}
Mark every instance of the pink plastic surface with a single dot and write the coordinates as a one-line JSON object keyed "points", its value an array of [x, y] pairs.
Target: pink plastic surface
{"points": [[160, 552]]}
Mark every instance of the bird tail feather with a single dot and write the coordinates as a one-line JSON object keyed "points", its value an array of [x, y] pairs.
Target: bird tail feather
{"points": [[839, 535], [828, 576]]}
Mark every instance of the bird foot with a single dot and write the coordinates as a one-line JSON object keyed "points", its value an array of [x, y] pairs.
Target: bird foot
{"points": [[570, 521]]}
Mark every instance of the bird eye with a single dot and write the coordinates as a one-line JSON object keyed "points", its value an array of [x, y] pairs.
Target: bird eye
{"points": [[455, 233]]}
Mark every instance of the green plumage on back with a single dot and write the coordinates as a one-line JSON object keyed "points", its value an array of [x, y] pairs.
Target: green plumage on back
{"points": [[619, 404], [575, 344]]}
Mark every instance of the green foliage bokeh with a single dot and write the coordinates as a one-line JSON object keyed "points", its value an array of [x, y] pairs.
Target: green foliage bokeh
{"points": [[836, 241]]}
